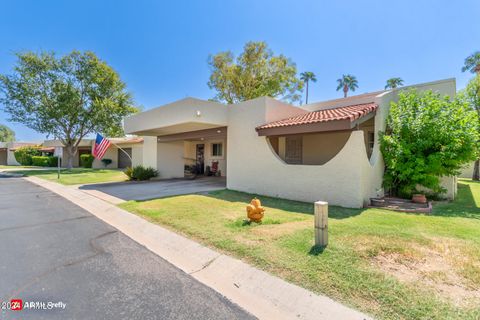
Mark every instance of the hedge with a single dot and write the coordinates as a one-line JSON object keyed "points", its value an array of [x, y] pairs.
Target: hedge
{"points": [[44, 161], [86, 160]]}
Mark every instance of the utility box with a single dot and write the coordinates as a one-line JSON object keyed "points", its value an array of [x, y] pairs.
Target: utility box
{"points": [[321, 223]]}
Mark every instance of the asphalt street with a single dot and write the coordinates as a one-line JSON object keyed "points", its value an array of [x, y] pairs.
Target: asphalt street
{"points": [[53, 251]]}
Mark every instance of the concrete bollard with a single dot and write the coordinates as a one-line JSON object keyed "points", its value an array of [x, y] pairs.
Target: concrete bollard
{"points": [[321, 223]]}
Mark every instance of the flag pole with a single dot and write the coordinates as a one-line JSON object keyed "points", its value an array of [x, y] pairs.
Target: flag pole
{"points": [[122, 151]]}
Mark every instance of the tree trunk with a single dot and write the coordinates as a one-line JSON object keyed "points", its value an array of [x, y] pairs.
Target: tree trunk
{"points": [[71, 152], [306, 99], [476, 170], [345, 90]]}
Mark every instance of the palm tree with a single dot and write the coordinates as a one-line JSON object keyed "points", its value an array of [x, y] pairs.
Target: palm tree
{"points": [[393, 83], [472, 63], [307, 76], [347, 82]]}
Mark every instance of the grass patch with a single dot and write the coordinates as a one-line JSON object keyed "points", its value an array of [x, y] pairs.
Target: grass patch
{"points": [[78, 175], [389, 264]]}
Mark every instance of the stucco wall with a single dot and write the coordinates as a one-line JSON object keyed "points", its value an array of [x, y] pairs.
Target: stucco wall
{"points": [[137, 154], [467, 171], [170, 160], [149, 152], [112, 154], [254, 167], [170, 116], [320, 148]]}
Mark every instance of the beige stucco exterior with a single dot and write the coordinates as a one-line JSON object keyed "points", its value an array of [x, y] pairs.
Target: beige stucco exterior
{"points": [[335, 165], [86, 145]]}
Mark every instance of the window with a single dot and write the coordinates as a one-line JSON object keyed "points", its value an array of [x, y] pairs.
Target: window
{"points": [[217, 149], [293, 149]]}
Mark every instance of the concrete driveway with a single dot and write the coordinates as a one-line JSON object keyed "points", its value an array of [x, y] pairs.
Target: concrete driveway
{"points": [[54, 251], [124, 191]]}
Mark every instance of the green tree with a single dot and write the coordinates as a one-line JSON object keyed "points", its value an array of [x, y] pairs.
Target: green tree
{"points": [[306, 77], [347, 82], [428, 136], [472, 96], [255, 73], [472, 63], [6, 134], [393, 83], [67, 97]]}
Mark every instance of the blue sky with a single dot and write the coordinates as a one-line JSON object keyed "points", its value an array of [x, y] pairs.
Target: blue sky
{"points": [[160, 48]]}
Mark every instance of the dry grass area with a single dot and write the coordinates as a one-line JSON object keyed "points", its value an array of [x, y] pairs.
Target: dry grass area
{"points": [[442, 267], [391, 265]]}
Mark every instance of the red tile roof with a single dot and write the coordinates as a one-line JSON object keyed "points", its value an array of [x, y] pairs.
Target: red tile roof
{"points": [[351, 113]]}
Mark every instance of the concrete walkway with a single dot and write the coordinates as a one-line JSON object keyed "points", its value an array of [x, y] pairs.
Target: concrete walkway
{"points": [[118, 192], [263, 295]]}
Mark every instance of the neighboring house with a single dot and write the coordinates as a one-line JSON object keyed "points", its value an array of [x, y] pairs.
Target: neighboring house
{"points": [[132, 146], [321, 151], [467, 171], [3, 154], [7, 149]]}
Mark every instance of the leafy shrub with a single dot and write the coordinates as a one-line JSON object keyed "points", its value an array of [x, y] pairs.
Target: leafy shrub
{"points": [[129, 173], [44, 161], [106, 162], [428, 136], [24, 155], [40, 161], [52, 161], [140, 173], [86, 160]]}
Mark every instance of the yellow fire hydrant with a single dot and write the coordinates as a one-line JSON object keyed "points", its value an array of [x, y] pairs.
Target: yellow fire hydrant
{"points": [[255, 211]]}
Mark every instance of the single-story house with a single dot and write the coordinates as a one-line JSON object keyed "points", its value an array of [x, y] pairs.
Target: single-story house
{"points": [[7, 149], [321, 151], [131, 146]]}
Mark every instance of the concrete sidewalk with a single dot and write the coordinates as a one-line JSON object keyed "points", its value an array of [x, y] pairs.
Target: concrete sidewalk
{"points": [[263, 295]]}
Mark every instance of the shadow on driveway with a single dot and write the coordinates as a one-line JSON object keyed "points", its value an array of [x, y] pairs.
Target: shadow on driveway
{"points": [[144, 190]]}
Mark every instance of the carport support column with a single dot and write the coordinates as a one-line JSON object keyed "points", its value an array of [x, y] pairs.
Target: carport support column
{"points": [[150, 152], [321, 223]]}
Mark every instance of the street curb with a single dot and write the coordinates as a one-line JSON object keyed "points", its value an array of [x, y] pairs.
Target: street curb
{"points": [[263, 295]]}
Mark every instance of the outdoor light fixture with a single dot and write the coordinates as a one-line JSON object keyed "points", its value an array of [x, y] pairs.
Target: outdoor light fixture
{"points": [[202, 139], [219, 131], [198, 113]]}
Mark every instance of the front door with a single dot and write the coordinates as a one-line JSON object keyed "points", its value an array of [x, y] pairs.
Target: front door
{"points": [[200, 159]]}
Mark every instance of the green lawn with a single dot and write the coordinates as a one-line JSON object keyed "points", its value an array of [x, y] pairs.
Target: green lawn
{"points": [[389, 264], [78, 175]]}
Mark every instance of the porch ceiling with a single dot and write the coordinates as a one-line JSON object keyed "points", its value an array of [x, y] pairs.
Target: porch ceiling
{"points": [[212, 133], [177, 128]]}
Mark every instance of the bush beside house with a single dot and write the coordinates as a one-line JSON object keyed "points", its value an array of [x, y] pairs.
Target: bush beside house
{"points": [[141, 173], [24, 154], [106, 162], [44, 161], [86, 160], [427, 137]]}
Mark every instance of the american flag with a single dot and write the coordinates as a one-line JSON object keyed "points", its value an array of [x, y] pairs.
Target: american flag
{"points": [[101, 146]]}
